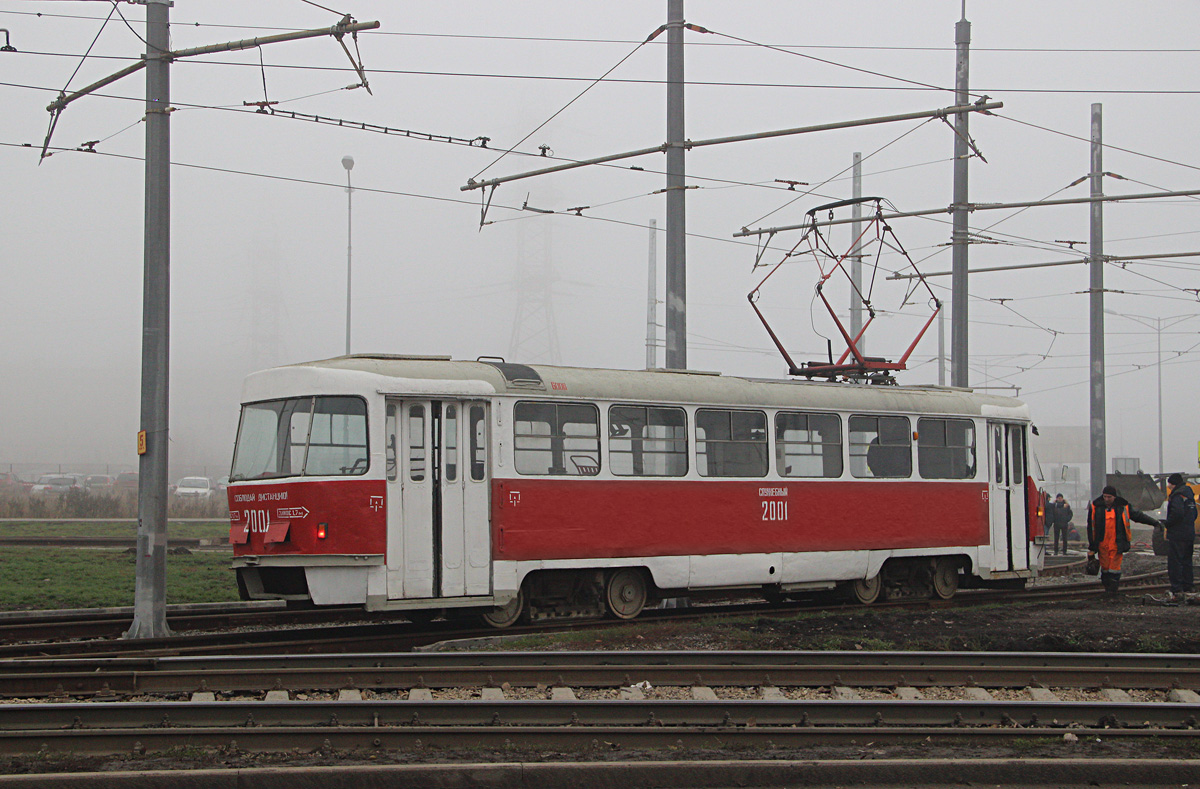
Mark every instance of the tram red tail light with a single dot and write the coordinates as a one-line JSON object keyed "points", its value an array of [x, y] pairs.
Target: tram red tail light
{"points": [[321, 527]]}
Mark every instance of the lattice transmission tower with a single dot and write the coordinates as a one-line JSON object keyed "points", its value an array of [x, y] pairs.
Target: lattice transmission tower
{"points": [[535, 333]]}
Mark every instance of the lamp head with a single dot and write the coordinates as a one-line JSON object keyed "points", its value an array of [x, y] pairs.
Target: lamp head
{"points": [[348, 163]]}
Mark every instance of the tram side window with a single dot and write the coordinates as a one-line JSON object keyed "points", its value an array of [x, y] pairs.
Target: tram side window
{"points": [[561, 439], [478, 428], [731, 443], [337, 443], [946, 448], [880, 446], [808, 445], [647, 442]]}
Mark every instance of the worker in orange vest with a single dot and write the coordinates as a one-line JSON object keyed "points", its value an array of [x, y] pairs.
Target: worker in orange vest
{"points": [[1109, 536]]}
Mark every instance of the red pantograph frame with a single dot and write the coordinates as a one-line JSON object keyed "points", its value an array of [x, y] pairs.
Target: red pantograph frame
{"points": [[861, 366]]}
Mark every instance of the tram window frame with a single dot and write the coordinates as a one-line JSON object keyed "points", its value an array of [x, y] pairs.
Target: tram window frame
{"points": [[391, 431], [939, 456], [280, 448], [885, 448], [826, 453], [450, 415], [332, 436], [732, 456], [665, 449], [478, 427], [558, 451], [416, 441]]}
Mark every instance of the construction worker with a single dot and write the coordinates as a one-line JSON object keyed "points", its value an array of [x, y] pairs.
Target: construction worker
{"points": [[1109, 536], [1181, 537]]}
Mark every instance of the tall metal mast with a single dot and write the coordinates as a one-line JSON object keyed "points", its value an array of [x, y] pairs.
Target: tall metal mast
{"points": [[959, 372], [1099, 449], [676, 293], [150, 588]]}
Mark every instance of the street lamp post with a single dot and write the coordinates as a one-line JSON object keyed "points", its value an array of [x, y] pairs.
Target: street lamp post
{"points": [[348, 163], [1158, 324]]}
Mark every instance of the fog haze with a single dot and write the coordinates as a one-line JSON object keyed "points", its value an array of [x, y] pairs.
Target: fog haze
{"points": [[259, 207]]}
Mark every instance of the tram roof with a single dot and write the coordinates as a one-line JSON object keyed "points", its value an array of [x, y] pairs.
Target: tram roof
{"points": [[431, 376]]}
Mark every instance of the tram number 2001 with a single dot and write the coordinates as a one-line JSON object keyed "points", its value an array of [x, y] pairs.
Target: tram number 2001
{"points": [[774, 510], [257, 521]]}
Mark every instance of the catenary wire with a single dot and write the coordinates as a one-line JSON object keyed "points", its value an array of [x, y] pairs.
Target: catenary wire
{"points": [[576, 40], [562, 109]]}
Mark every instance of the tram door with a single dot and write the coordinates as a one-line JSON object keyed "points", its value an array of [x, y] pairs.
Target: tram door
{"points": [[438, 531], [1006, 494]]}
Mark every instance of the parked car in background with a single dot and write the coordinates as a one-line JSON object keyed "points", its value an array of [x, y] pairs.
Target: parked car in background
{"points": [[127, 481], [49, 484], [194, 488], [11, 483], [223, 484], [99, 483]]}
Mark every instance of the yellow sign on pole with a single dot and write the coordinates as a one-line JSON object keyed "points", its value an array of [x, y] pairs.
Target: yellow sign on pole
{"points": [[141, 442]]}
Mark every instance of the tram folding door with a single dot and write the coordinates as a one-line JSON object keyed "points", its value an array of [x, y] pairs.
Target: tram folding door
{"points": [[1006, 492], [438, 532]]}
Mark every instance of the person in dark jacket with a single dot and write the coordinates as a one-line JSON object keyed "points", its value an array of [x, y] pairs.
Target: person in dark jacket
{"points": [[1059, 517], [1181, 536], [1109, 536]]}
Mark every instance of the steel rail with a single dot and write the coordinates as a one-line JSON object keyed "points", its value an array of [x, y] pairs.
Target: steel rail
{"points": [[104, 679], [724, 713], [247, 735], [781, 769]]}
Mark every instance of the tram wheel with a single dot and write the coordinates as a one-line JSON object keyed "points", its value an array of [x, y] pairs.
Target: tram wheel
{"points": [[505, 615], [626, 593], [945, 578], [866, 590]]}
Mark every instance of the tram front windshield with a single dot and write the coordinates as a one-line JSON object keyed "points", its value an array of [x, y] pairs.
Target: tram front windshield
{"points": [[301, 436]]}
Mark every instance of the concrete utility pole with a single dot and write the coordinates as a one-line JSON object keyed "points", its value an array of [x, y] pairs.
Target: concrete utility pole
{"points": [[150, 588], [676, 293], [856, 320], [959, 372], [652, 301], [1096, 302]]}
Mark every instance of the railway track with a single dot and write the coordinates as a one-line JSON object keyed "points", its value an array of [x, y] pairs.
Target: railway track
{"points": [[372, 704], [243, 631]]}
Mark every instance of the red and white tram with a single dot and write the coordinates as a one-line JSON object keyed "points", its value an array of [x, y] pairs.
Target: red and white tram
{"points": [[421, 484]]}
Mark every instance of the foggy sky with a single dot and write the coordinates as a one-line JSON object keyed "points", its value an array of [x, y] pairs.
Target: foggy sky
{"points": [[259, 203]]}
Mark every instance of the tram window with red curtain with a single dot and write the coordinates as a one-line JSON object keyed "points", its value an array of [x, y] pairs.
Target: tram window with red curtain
{"points": [[808, 445], [644, 441], [731, 443], [559, 439], [946, 448]]}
